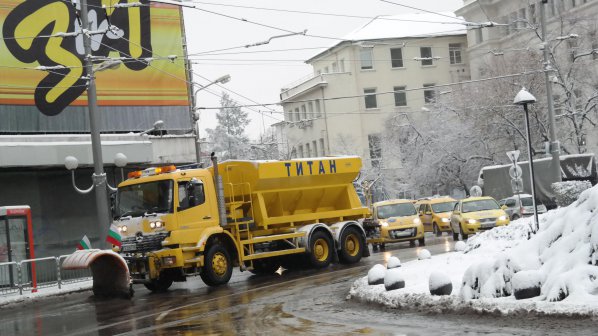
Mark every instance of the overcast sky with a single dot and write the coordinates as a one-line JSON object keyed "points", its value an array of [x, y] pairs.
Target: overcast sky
{"points": [[259, 72]]}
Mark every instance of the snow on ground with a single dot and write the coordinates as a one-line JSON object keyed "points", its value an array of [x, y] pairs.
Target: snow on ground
{"points": [[562, 257], [28, 296]]}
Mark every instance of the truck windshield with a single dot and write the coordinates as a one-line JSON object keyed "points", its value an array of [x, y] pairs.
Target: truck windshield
{"points": [[480, 205], [396, 210], [150, 197], [443, 207]]}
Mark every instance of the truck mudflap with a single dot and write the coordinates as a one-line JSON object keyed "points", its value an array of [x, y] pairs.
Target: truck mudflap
{"points": [[109, 270]]}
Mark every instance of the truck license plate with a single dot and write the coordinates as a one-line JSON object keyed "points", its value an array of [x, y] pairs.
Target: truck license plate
{"points": [[128, 247]]}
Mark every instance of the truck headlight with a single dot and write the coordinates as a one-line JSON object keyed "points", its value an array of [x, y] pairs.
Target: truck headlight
{"points": [[502, 218], [444, 220], [156, 224], [123, 228], [471, 221]]}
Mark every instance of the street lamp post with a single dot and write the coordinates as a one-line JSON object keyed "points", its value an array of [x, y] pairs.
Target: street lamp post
{"points": [[195, 115], [524, 98]]}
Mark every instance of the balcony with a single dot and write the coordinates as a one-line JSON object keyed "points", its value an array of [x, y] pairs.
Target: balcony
{"points": [[305, 87]]}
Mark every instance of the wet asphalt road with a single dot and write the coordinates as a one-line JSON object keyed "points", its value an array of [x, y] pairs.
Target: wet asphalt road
{"points": [[306, 302]]}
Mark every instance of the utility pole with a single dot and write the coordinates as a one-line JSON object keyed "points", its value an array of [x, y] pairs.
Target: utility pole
{"points": [[99, 177], [554, 144]]}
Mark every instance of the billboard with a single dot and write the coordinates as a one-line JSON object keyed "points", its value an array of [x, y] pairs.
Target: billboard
{"points": [[42, 56]]}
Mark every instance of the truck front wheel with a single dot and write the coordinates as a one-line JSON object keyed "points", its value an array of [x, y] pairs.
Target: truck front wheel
{"points": [[218, 266], [321, 250], [159, 285], [352, 246]]}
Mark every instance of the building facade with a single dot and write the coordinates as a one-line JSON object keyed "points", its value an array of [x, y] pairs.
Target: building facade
{"points": [[392, 65], [572, 44]]}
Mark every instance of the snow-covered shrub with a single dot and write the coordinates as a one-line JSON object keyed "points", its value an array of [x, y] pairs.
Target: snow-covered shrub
{"points": [[474, 278], [440, 284], [393, 262], [460, 246], [376, 275], [527, 284], [567, 192], [394, 279], [424, 254]]}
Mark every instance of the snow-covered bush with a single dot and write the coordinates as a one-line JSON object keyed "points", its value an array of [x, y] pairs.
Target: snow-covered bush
{"points": [[394, 279], [393, 262], [567, 192], [440, 284], [376, 275]]}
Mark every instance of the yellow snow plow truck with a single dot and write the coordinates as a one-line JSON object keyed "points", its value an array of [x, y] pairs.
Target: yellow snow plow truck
{"points": [[257, 215]]}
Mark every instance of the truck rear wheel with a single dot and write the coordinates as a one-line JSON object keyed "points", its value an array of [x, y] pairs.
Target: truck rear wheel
{"points": [[352, 246], [218, 267], [321, 250]]}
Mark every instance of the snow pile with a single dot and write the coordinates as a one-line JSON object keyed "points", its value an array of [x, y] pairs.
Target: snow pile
{"points": [[460, 246], [568, 191], [424, 254], [394, 279], [440, 284], [393, 262], [376, 275], [556, 268]]}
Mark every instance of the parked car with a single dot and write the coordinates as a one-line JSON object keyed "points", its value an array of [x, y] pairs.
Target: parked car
{"points": [[393, 221], [473, 214], [520, 206], [435, 214]]}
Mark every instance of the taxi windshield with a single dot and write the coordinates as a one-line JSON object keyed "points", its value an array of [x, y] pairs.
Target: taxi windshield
{"points": [[396, 210], [480, 205], [142, 198], [443, 207]]}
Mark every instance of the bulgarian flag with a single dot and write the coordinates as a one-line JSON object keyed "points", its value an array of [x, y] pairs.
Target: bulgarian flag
{"points": [[84, 244], [114, 236]]}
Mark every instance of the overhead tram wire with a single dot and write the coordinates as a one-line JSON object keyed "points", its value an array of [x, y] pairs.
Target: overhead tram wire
{"points": [[422, 10]]}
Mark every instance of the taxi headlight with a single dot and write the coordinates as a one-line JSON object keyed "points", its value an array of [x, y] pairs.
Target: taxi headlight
{"points": [[445, 220], [471, 221], [416, 221], [385, 224], [502, 218]]}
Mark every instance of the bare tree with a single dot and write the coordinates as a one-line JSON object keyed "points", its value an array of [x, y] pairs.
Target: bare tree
{"points": [[229, 137]]}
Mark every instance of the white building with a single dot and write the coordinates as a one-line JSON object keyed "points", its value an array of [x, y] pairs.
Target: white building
{"points": [[390, 65], [571, 37]]}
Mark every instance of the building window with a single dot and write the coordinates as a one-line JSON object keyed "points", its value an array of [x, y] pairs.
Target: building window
{"points": [[303, 112], [595, 48], [322, 148], [522, 19], [532, 14], [429, 94], [318, 109], [307, 150], [326, 70], [300, 151], [335, 67], [426, 54], [370, 98], [366, 56], [455, 53], [375, 149], [400, 96], [342, 65], [297, 115], [315, 147], [479, 38], [310, 109], [290, 115], [396, 57]]}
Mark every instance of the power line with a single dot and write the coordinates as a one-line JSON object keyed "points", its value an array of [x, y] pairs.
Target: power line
{"points": [[423, 10]]}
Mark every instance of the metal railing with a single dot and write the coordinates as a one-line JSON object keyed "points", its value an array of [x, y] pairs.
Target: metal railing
{"points": [[32, 274]]}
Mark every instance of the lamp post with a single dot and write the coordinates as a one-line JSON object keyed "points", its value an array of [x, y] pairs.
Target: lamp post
{"points": [[195, 115], [524, 98]]}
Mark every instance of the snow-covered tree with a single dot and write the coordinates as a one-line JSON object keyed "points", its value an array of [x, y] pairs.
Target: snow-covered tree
{"points": [[228, 138]]}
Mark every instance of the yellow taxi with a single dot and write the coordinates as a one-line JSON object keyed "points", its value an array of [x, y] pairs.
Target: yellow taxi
{"points": [[393, 221], [435, 214], [474, 214]]}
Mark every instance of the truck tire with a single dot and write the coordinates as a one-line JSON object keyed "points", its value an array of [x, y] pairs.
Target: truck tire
{"points": [[352, 245], [321, 250], [159, 285], [218, 266]]}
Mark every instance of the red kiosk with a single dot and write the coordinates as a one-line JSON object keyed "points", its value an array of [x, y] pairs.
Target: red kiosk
{"points": [[16, 240]]}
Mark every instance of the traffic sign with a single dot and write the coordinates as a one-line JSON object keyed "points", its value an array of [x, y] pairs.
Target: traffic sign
{"points": [[515, 172], [513, 155], [517, 185]]}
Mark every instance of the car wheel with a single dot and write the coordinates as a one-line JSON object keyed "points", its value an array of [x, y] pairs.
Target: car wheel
{"points": [[437, 230], [422, 241], [515, 217]]}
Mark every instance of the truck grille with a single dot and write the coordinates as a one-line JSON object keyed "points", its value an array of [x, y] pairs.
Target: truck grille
{"points": [[143, 244]]}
